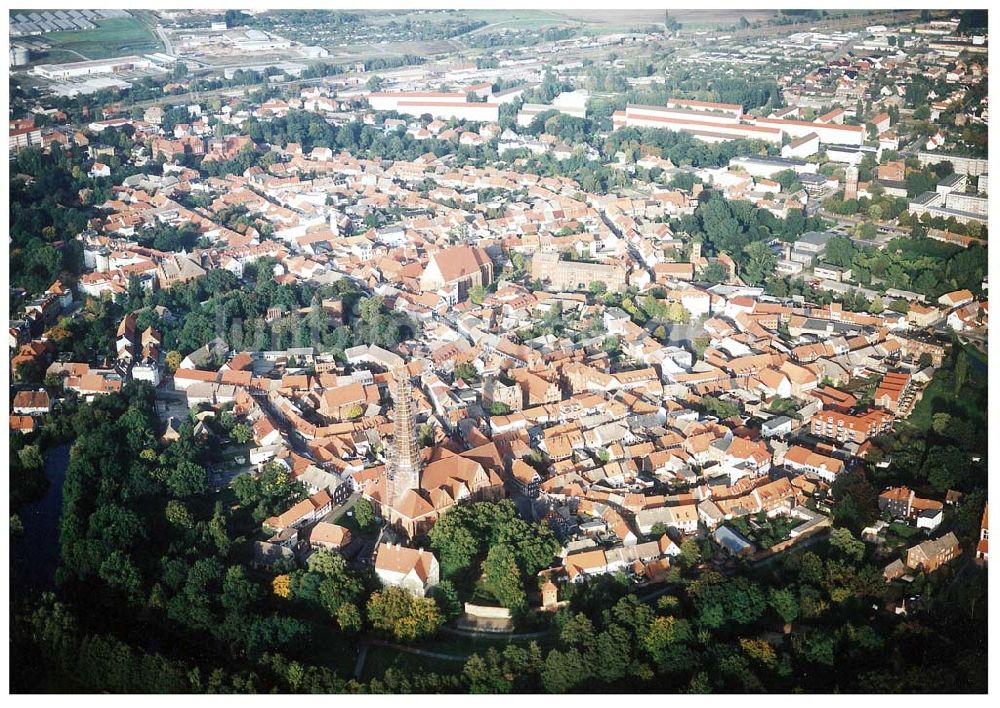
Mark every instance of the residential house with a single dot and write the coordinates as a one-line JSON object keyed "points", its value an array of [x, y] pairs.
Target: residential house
{"points": [[802, 458], [32, 402], [330, 537], [983, 547], [413, 569], [931, 555], [305, 511]]}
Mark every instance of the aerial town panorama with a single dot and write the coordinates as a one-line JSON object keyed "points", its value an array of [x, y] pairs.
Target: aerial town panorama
{"points": [[498, 351]]}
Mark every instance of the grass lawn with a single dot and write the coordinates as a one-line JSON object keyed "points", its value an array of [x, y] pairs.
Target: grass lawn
{"points": [[381, 658], [936, 396], [467, 645], [113, 37], [899, 536], [902, 530], [482, 596]]}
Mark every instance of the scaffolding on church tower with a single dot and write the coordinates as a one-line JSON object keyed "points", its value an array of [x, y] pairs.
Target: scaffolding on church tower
{"points": [[403, 465]]}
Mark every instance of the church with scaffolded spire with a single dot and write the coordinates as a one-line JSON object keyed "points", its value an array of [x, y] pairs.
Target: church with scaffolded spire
{"points": [[415, 487], [403, 465]]}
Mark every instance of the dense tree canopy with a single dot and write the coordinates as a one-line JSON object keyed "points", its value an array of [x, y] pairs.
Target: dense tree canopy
{"points": [[463, 537]]}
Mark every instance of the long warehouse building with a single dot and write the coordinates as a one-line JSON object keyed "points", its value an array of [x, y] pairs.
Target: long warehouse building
{"points": [[702, 124], [714, 122], [441, 105], [77, 69], [390, 100], [829, 133]]}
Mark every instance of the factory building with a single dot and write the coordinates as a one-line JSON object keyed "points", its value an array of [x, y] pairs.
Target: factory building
{"points": [[827, 132], [79, 69], [389, 101], [440, 105], [703, 122], [713, 122]]}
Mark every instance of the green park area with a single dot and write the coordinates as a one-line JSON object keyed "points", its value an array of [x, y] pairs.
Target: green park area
{"points": [[958, 389]]}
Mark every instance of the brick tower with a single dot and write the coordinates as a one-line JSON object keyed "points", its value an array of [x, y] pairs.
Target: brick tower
{"points": [[403, 468], [851, 183]]}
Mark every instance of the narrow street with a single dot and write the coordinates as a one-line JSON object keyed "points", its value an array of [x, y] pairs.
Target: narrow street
{"points": [[339, 510]]}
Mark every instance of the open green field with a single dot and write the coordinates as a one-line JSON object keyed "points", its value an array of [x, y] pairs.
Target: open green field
{"points": [[535, 18], [113, 37], [515, 19]]}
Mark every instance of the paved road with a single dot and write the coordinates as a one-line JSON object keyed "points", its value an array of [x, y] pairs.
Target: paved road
{"points": [[162, 34], [359, 665], [492, 635], [337, 511], [911, 149]]}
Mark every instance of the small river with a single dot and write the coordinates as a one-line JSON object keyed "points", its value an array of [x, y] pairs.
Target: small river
{"points": [[34, 554]]}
